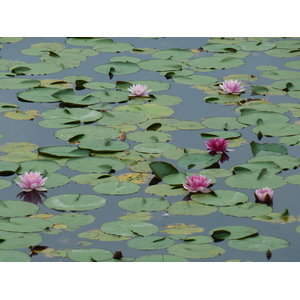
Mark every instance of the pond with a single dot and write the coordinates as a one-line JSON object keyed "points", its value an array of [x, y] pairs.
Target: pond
{"points": [[116, 163]]}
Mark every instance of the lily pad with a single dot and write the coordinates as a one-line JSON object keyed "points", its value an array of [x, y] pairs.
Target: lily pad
{"points": [[144, 204], [150, 243], [17, 240], [117, 188], [117, 68], [259, 243], [73, 219], [160, 258], [24, 224], [277, 129], [13, 208], [89, 255], [13, 256], [38, 94], [195, 251], [215, 62], [161, 65], [195, 79], [75, 202], [246, 210], [18, 83], [153, 147], [63, 151], [190, 208], [220, 198], [233, 232], [197, 161], [129, 228], [226, 123]]}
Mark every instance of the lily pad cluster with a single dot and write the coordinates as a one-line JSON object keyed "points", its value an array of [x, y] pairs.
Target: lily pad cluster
{"points": [[122, 149]]}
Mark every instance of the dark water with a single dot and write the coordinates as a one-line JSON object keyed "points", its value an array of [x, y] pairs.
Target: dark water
{"points": [[192, 108]]}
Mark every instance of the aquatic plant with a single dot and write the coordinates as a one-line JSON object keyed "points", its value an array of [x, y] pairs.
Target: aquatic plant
{"points": [[196, 183], [231, 86], [138, 90], [32, 181]]}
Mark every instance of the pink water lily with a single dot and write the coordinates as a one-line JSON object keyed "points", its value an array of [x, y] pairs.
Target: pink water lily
{"points": [[234, 87], [196, 183], [217, 145], [32, 181], [138, 90], [264, 195]]}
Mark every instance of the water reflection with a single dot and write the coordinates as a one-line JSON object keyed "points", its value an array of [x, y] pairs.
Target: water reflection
{"points": [[224, 156], [33, 196]]}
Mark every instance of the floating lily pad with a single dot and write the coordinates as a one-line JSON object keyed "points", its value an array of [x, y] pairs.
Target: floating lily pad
{"points": [[13, 256], [75, 202], [13, 208], [161, 65], [226, 123], [223, 99], [108, 96], [129, 228], [216, 62], [174, 53], [195, 79], [25, 224], [73, 219], [259, 243], [144, 204], [63, 151], [104, 145], [150, 243], [255, 180], [220, 198], [38, 94], [112, 47], [160, 258], [39, 166], [277, 129], [122, 117], [56, 180], [264, 117], [222, 134], [117, 68], [246, 210], [95, 164], [262, 149], [117, 188], [35, 68], [149, 136], [153, 147], [89, 255], [233, 232], [197, 161], [4, 106], [182, 229], [165, 190], [18, 83], [17, 240], [190, 208], [8, 168], [102, 236], [86, 133], [195, 251]]}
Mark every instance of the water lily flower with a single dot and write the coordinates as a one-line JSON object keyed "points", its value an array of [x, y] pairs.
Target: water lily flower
{"points": [[196, 183], [233, 87], [32, 181], [264, 195], [217, 145], [138, 90]]}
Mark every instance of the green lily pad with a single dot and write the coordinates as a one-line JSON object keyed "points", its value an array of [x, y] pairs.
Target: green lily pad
{"points": [[122, 117], [4, 106], [8, 168], [104, 145], [192, 208], [38, 94], [17, 240], [18, 83], [160, 258], [277, 129], [246, 210], [73, 219], [129, 228], [39, 166], [56, 180], [215, 62], [160, 65], [117, 188], [165, 190], [223, 99], [24, 224], [195, 79], [117, 68], [259, 243], [150, 243], [262, 116], [4, 184], [63, 151], [13, 208], [35, 68], [174, 53], [13, 256], [233, 232], [112, 47], [95, 164], [256, 166], [108, 96], [195, 251], [266, 148], [153, 147], [281, 74], [144, 204], [99, 85], [197, 160], [89, 255], [255, 180], [222, 134], [226, 123], [102, 236], [293, 179], [75, 202], [220, 198], [257, 46], [149, 136]]}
